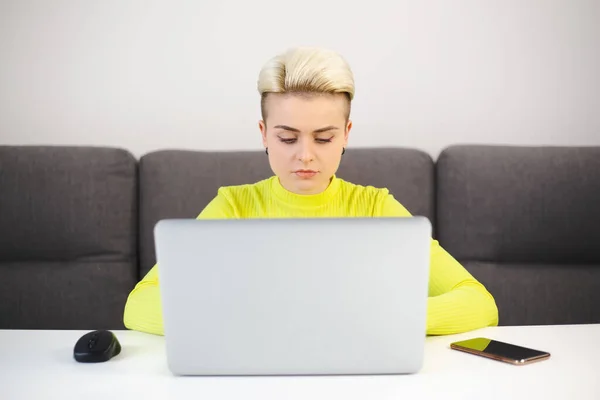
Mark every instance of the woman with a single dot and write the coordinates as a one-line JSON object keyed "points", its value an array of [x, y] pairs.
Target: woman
{"points": [[305, 103]]}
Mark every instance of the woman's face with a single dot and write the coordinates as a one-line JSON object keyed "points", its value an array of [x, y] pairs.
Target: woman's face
{"points": [[305, 135]]}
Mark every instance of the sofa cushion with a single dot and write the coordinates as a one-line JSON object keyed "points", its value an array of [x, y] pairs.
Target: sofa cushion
{"points": [[180, 183], [523, 220], [68, 236], [64, 294], [520, 204], [542, 294]]}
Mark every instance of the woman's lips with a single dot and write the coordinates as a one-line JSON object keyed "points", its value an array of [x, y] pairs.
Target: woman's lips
{"points": [[305, 173]]}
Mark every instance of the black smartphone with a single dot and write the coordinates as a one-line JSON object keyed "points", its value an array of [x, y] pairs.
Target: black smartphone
{"points": [[500, 351]]}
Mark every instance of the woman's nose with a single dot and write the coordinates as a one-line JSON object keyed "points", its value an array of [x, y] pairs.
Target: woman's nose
{"points": [[306, 153]]}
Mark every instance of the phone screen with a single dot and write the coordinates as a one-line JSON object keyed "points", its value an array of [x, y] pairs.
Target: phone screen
{"points": [[500, 349]]}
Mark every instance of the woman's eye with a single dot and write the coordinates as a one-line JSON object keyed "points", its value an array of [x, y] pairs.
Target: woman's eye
{"points": [[293, 140]]}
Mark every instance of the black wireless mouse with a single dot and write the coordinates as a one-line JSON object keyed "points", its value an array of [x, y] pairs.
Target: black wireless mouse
{"points": [[96, 346]]}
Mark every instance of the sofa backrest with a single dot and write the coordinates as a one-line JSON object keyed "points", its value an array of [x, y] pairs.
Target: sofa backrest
{"points": [[524, 221], [76, 223], [68, 238], [179, 184]]}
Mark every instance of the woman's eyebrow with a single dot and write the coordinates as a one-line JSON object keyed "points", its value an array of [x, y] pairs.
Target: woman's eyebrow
{"points": [[287, 128], [327, 128], [320, 130]]}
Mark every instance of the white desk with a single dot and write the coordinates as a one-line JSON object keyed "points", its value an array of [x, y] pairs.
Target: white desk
{"points": [[40, 365]]}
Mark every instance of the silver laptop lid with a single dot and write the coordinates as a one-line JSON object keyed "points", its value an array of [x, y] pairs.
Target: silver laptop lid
{"points": [[294, 296]]}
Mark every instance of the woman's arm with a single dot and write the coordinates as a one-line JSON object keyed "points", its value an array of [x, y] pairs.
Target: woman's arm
{"points": [[457, 301], [143, 309]]}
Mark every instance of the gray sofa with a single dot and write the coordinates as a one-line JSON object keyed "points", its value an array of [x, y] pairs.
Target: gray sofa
{"points": [[76, 222]]}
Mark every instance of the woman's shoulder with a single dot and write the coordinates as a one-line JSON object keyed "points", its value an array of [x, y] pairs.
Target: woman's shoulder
{"points": [[379, 199], [247, 194], [350, 188], [232, 201], [246, 188]]}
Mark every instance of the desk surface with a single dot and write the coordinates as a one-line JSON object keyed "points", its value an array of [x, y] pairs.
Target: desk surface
{"points": [[40, 365]]}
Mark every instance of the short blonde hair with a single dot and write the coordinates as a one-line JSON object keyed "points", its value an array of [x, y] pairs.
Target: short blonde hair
{"points": [[306, 70]]}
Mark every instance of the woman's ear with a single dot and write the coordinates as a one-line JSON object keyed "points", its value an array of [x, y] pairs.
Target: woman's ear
{"points": [[263, 131], [347, 132]]}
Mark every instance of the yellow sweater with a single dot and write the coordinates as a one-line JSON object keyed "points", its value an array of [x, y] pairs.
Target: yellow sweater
{"points": [[457, 302]]}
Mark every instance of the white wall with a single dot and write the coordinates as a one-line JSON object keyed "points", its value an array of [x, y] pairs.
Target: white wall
{"points": [[145, 75]]}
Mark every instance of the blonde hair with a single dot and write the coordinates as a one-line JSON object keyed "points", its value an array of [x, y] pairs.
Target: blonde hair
{"points": [[306, 70]]}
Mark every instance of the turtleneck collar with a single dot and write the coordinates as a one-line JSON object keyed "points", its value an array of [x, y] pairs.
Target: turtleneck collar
{"points": [[302, 200]]}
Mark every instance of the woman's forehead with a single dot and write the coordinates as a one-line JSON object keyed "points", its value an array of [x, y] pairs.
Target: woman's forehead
{"points": [[306, 110]]}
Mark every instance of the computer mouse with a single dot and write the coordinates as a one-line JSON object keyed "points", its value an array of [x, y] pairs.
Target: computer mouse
{"points": [[96, 346]]}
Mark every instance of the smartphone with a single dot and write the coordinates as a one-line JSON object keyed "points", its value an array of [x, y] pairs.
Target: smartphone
{"points": [[500, 351]]}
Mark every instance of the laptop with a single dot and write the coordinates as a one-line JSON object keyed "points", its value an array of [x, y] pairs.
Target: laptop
{"points": [[322, 296]]}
